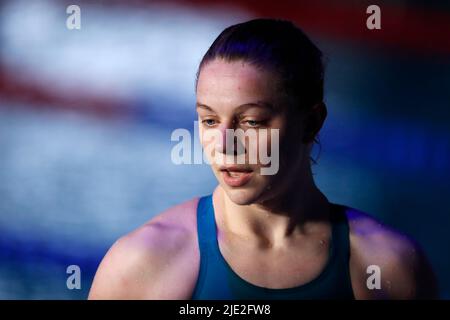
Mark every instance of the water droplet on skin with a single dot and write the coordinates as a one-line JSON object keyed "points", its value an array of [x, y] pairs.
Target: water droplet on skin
{"points": [[321, 242]]}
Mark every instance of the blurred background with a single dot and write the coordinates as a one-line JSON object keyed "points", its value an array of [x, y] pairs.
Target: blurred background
{"points": [[86, 117]]}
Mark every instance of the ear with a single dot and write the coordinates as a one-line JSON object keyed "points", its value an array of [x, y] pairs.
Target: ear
{"points": [[313, 122]]}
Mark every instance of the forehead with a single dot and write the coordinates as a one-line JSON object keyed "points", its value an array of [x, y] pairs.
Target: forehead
{"points": [[223, 83]]}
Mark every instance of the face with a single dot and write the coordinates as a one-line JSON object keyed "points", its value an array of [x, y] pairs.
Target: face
{"points": [[241, 97]]}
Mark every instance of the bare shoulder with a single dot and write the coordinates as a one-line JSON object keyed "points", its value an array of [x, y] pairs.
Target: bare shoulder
{"points": [[153, 261], [404, 271]]}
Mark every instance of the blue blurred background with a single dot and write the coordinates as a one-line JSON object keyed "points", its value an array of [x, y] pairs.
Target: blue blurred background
{"points": [[86, 117]]}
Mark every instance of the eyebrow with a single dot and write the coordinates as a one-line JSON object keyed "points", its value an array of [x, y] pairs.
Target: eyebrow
{"points": [[258, 104]]}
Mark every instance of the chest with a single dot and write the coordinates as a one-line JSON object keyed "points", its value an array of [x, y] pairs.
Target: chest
{"points": [[284, 267]]}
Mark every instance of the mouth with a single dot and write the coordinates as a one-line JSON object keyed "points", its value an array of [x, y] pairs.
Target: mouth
{"points": [[235, 176]]}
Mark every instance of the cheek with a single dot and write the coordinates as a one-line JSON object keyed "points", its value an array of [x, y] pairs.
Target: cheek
{"points": [[200, 133], [207, 143], [261, 146], [208, 146]]}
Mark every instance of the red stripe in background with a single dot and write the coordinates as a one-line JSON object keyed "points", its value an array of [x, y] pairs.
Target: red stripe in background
{"points": [[407, 27], [40, 96]]}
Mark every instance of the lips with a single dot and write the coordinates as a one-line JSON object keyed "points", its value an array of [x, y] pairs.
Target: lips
{"points": [[236, 176]]}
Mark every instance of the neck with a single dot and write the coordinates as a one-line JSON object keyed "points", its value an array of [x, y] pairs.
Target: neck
{"points": [[293, 212]]}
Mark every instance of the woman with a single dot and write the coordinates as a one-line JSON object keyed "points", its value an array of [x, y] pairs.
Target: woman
{"points": [[263, 236]]}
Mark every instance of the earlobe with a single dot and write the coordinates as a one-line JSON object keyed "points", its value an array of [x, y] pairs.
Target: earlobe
{"points": [[308, 137], [321, 111], [314, 121]]}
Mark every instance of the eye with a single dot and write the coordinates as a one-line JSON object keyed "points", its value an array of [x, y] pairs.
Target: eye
{"points": [[254, 123], [209, 122]]}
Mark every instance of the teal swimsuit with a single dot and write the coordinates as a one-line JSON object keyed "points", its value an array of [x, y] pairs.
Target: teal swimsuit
{"points": [[217, 281]]}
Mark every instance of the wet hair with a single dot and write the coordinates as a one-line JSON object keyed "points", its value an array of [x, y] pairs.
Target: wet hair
{"points": [[278, 46]]}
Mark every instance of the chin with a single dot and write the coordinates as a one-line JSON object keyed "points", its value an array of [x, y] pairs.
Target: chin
{"points": [[242, 196]]}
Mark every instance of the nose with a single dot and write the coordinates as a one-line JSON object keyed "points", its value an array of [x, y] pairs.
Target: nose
{"points": [[228, 142]]}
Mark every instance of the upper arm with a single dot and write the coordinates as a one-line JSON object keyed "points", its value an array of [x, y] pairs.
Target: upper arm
{"points": [[404, 270], [407, 273], [423, 284], [146, 263], [131, 269], [111, 280]]}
